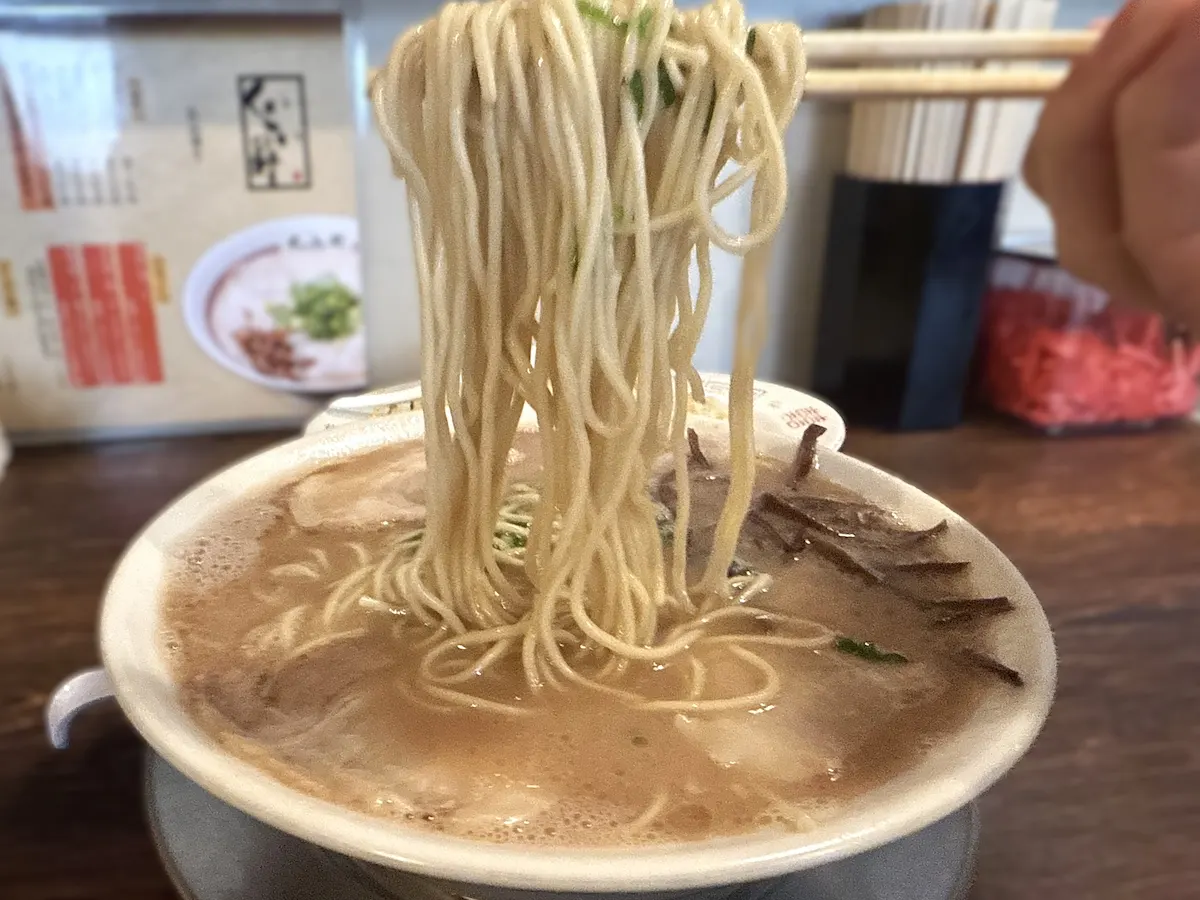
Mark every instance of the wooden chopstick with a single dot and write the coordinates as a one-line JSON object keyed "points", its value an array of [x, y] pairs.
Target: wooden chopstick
{"points": [[866, 46], [893, 84], [921, 46], [876, 84]]}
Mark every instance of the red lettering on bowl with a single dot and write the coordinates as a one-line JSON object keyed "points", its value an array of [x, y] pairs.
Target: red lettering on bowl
{"points": [[803, 417]]}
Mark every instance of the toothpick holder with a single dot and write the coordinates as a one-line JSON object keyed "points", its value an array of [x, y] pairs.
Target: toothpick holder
{"points": [[905, 275]]}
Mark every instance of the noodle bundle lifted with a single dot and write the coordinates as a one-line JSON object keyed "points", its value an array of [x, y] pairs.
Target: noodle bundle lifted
{"points": [[562, 162]]}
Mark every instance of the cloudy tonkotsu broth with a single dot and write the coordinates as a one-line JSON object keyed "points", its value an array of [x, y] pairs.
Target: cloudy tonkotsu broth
{"points": [[327, 698]]}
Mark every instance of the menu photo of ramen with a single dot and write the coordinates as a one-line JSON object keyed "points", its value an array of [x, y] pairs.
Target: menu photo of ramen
{"points": [[280, 303]]}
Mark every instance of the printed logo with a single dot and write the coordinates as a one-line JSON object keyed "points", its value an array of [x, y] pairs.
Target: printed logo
{"points": [[274, 132]]}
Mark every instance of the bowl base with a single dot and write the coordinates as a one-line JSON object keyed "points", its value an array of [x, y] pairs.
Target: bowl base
{"points": [[211, 851]]}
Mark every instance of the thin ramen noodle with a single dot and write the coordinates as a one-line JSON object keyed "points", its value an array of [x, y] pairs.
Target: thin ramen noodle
{"points": [[562, 167]]}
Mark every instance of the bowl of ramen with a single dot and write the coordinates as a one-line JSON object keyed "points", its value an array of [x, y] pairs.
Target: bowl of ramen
{"points": [[883, 664], [577, 619], [280, 304]]}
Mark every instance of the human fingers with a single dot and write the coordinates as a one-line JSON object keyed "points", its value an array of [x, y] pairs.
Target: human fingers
{"points": [[1157, 126], [1072, 161]]}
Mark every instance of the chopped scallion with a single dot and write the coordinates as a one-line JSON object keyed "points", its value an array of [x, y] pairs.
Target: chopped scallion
{"points": [[513, 540], [751, 37], [644, 20], [598, 14], [867, 650], [666, 87], [638, 90]]}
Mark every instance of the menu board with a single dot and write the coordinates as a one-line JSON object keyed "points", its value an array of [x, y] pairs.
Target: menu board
{"points": [[180, 250]]}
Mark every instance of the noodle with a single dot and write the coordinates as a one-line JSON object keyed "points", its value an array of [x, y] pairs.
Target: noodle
{"points": [[562, 164]]}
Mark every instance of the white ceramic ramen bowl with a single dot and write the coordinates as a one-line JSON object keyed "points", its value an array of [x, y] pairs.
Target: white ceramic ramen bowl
{"points": [[952, 773]]}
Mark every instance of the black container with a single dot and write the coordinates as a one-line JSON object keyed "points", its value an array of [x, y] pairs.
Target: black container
{"points": [[905, 275]]}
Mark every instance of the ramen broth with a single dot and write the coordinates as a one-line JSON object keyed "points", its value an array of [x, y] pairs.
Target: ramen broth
{"points": [[345, 719]]}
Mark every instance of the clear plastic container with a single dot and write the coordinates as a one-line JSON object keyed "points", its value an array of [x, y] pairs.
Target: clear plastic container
{"points": [[1057, 355]]}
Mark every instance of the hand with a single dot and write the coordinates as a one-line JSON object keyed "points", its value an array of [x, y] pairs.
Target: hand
{"points": [[1116, 157]]}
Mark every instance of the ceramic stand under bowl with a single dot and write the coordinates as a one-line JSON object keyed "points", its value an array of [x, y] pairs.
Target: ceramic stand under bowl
{"points": [[213, 852]]}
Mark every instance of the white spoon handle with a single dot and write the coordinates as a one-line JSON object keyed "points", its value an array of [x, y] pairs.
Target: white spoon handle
{"points": [[78, 692]]}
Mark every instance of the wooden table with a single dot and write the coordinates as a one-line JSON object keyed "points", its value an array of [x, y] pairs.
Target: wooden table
{"points": [[1107, 805]]}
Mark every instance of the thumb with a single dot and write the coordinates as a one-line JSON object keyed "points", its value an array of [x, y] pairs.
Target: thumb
{"points": [[1158, 162]]}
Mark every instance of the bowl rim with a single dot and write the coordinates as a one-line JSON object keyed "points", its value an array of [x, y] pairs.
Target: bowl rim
{"points": [[156, 714]]}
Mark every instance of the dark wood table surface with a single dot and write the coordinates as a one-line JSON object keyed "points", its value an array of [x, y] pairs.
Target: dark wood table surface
{"points": [[1107, 804]]}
